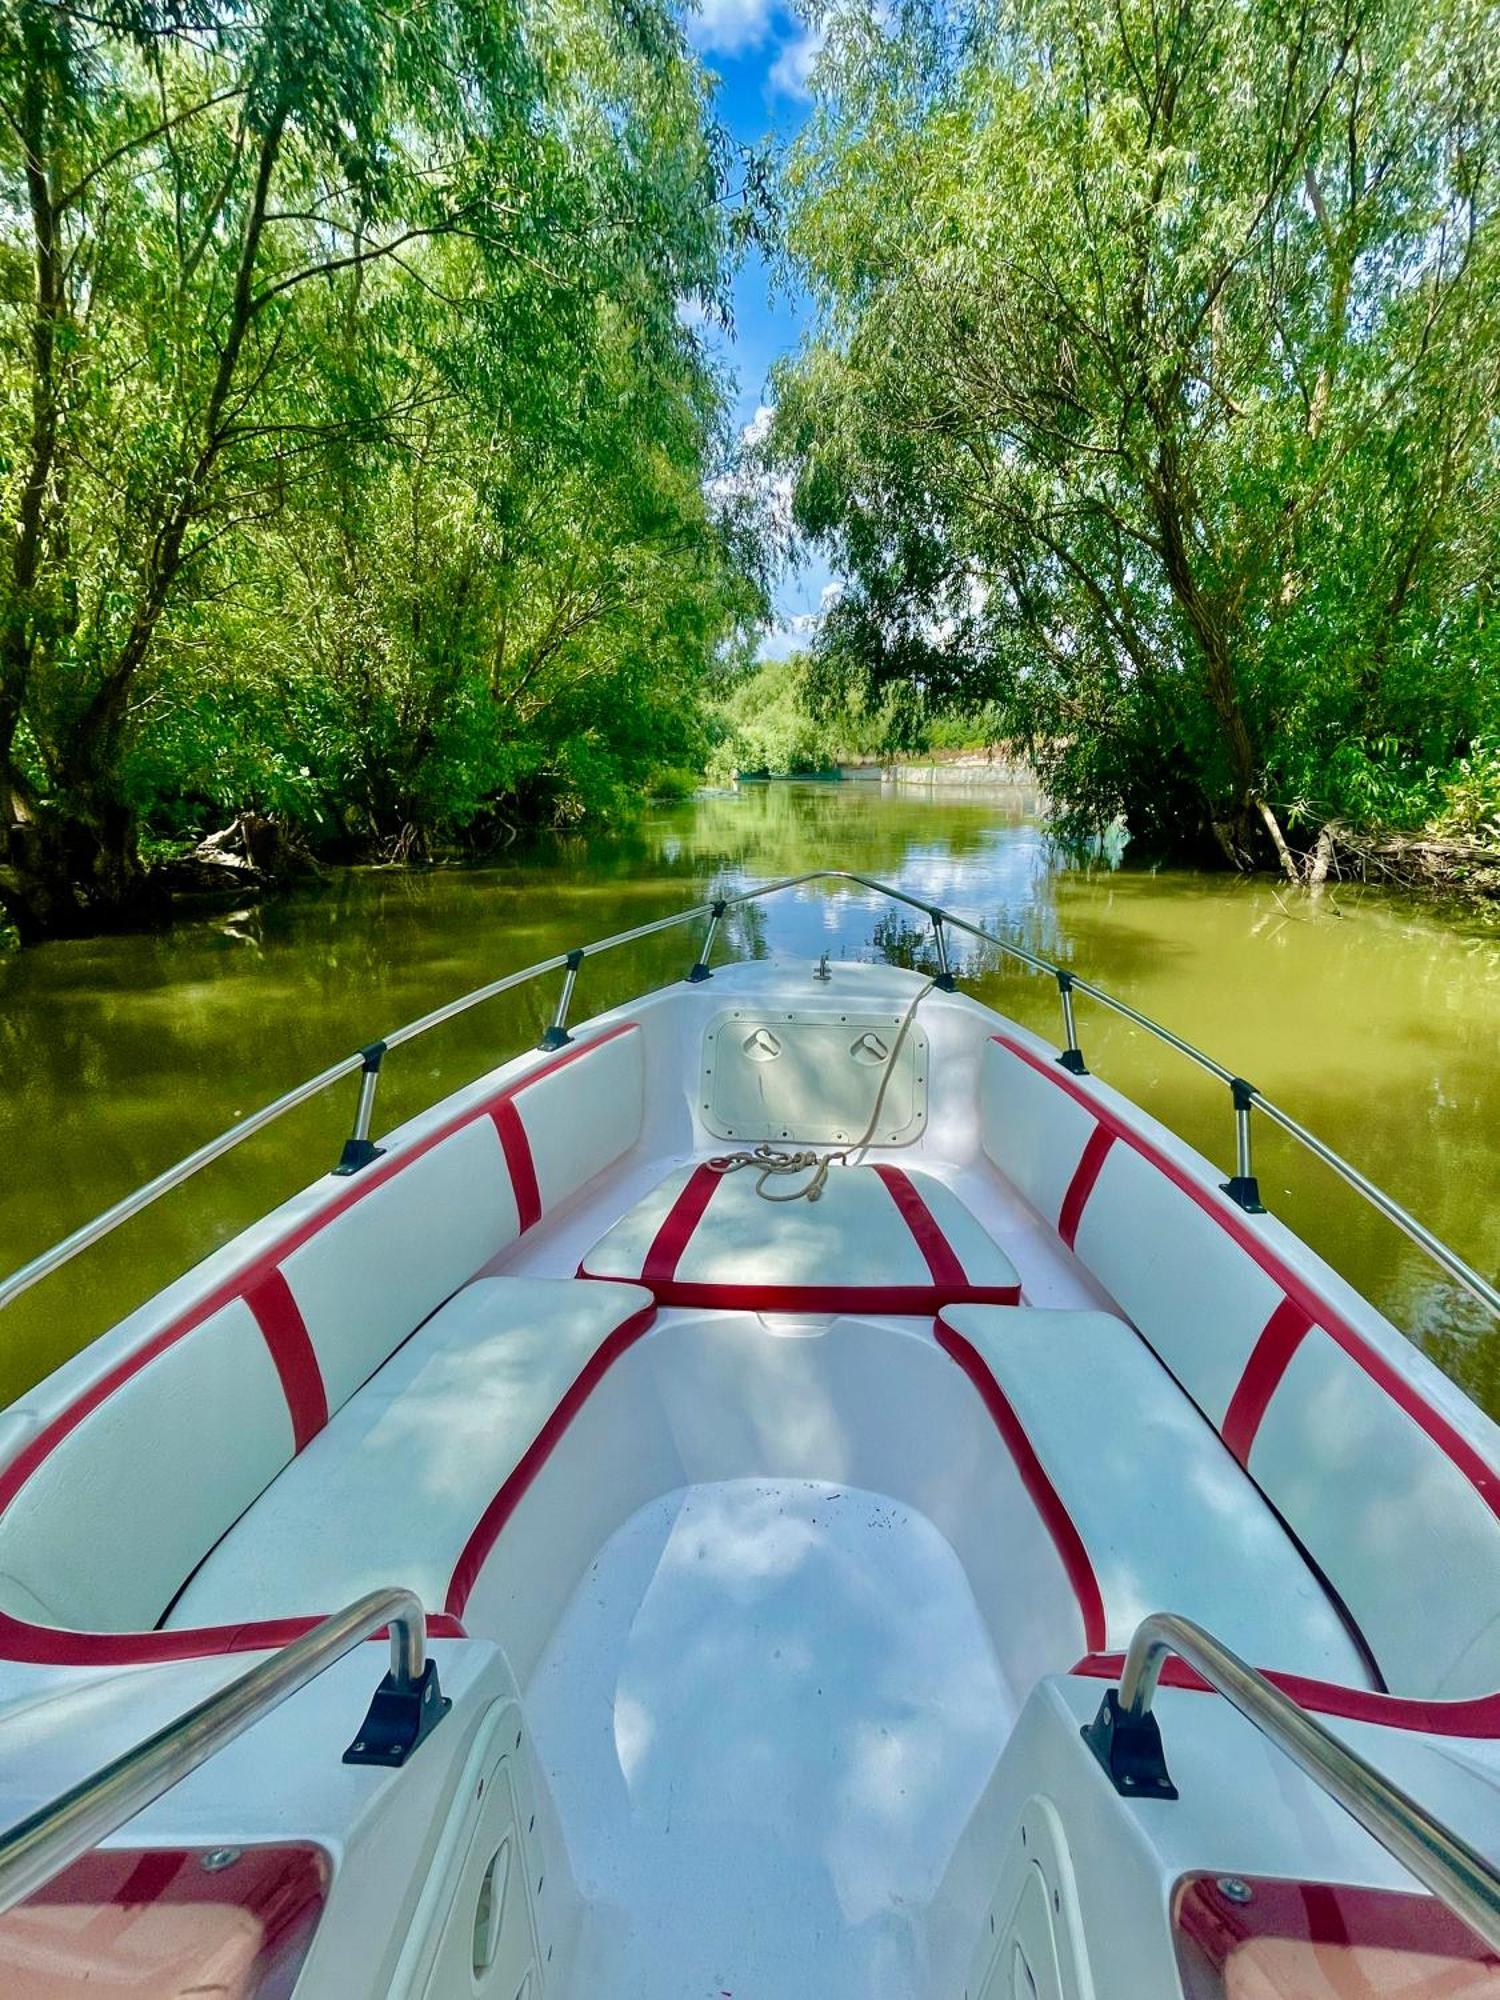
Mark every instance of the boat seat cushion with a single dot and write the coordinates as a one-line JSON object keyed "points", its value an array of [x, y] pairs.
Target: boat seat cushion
{"points": [[1377, 1475], [139, 1484], [1147, 1507], [411, 1480], [378, 1268], [1404, 1531], [402, 1244], [878, 1239]]}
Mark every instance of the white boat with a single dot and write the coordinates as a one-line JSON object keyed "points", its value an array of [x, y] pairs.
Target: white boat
{"points": [[782, 1427]]}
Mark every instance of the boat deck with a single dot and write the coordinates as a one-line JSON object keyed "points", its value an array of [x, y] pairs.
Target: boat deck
{"points": [[772, 1703]]}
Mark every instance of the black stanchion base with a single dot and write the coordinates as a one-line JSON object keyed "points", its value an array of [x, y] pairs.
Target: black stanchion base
{"points": [[1245, 1189], [1129, 1748], [400, 1720]]}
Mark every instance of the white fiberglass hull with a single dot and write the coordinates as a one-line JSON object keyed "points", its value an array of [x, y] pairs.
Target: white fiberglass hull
{"points": [[775, 1553]]}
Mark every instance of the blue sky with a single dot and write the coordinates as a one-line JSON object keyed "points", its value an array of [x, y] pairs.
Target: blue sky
{"points": [[761, 53]]}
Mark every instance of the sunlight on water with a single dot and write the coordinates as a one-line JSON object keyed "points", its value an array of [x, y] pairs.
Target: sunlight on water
{"points": [[1372, 1018]]}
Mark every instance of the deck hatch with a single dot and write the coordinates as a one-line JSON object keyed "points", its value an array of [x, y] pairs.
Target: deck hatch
{"points": [[812, 1075]]}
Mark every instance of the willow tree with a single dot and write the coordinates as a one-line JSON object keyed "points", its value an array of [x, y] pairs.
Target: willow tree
{"points": [[509, 604], [1152, 392], [219, 294]]}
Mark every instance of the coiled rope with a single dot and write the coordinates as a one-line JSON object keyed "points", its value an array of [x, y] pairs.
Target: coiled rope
{"points": [[774, 1165]]}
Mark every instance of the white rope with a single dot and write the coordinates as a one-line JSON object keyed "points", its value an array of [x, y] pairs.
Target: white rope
{"points": [[774, 1165]]}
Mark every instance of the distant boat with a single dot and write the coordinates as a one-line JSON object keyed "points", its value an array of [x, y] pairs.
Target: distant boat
{"points": [[762, 1420]]}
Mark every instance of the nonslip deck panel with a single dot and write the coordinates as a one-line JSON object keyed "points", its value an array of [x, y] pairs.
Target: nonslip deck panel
{"points": [[767, 1720], [879, 1238]]}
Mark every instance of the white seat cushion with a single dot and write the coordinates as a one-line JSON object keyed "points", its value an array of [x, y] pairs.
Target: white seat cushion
{"points": [[1126, 1466], [376, 1270], [131, 1496], [1382, 1501], [393, 1490], [879, 1239]]}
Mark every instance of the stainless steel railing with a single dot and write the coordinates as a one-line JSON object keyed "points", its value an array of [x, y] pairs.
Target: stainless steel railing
{"points": [[1246, 1099], [1458, 1874], [41, 1846]]}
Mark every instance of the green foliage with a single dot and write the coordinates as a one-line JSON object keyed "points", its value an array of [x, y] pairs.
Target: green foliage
{"points": [[1470, 805], [355, 444], [793, 715], [769, 726], [1151, 400]]}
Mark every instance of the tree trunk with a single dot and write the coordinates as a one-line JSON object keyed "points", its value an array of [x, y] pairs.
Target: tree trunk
{"points": [[72, 875], [1203, 615], [72, 865], [1278, 841]]}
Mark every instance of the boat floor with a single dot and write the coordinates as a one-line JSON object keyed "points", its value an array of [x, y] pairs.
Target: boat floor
{"points": [[766, 1715]]}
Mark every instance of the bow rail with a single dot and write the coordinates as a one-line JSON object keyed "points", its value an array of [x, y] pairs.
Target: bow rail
{"points": [[408, 1705], [1126, 1739], [1242, 1187]]}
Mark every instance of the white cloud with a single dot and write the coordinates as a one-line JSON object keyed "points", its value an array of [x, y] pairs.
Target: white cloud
{"points": [[788, 635], [752, 481], [730, 27], [791, 72], [759, 427]]}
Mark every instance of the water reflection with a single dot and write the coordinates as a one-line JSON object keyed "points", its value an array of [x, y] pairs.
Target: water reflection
{"points": [[1377, 1027]]}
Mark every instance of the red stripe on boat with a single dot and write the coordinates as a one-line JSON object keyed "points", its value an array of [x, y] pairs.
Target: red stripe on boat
{"points": [[280, 1320], [1279, 1339], [676, 1231], [942, 1261], [21, 1640], [1482, 1476], [1044, 1495], [26, 1461], [1477, 1716], [1085, 1174], [487, 1530], [52, 1646], [519, 1163]]}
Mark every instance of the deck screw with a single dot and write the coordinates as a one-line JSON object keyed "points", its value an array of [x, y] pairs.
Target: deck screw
{"points": [[220, 1857], [1234, 1890]]}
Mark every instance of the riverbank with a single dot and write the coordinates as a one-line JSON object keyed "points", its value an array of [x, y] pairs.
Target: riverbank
{"points": [[254, 859], [1422, 863], [1418, 863]]}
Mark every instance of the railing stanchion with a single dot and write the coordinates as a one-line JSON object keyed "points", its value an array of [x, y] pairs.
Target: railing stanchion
{"points": [[700, 970], [945, 982], [1072, 1056], [359, 1147], [1242, 1185], [557, 1036], [408, 1706], [1126, 1739]]}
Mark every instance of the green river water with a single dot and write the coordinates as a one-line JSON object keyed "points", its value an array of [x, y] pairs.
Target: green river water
{"points": [[1377, 1027]]}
